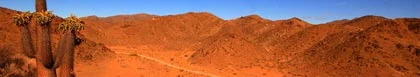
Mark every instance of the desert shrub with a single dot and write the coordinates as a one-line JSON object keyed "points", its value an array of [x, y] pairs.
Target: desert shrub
{"points": [[414, 28], [11, 66], [399, 46], [4, 54]]}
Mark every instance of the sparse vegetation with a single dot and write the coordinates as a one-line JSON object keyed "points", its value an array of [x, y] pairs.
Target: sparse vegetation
{"points": [[399, 46], [12, 66]]}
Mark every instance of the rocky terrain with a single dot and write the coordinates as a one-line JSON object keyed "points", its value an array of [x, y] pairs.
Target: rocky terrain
{"points": [[201, 44]]}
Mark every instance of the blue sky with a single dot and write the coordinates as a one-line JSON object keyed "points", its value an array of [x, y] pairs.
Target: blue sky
{"points": [[313, 11]]}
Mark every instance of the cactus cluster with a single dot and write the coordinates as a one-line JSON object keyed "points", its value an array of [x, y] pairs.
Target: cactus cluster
{"points": [[44, 18], [22, 18], [72, 23]]}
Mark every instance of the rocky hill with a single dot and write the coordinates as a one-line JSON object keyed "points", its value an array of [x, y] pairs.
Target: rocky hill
{"points": [[365, 46]]}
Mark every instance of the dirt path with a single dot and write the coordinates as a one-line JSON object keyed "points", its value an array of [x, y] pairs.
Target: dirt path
{"points": [[144, 61], [123, 51]]}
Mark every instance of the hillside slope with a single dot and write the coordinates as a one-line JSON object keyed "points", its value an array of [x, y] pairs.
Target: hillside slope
{"points": [[246, 46]]}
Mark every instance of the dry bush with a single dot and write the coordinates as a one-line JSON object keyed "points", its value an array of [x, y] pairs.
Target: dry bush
{"points": [[15, 65]]}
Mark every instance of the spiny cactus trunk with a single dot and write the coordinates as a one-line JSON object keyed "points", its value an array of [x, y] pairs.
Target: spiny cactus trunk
{"points": [[41, 5], [59, 53], [64, 58], [27, 45], [44, 56], [45, 53]]}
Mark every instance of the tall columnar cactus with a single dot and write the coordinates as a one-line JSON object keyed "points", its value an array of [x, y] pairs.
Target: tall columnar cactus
{"points": [[64, 57], [45, 55], [22, 20]]}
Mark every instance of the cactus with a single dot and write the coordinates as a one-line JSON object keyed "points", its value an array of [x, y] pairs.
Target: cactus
{"points": [[44, 59], [64, 57], [44, 18], [22, 20], [71, 23], [44, 56]]}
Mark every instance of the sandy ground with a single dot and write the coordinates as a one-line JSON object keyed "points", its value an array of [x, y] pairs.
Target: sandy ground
{"points": [[146, 61], [130, 62]]}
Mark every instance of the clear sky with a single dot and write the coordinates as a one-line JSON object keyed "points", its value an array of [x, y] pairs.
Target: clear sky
{"points": [[313, 11]]}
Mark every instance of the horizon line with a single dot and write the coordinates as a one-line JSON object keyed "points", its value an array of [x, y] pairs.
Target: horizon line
{"points": [[301, 18]]}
